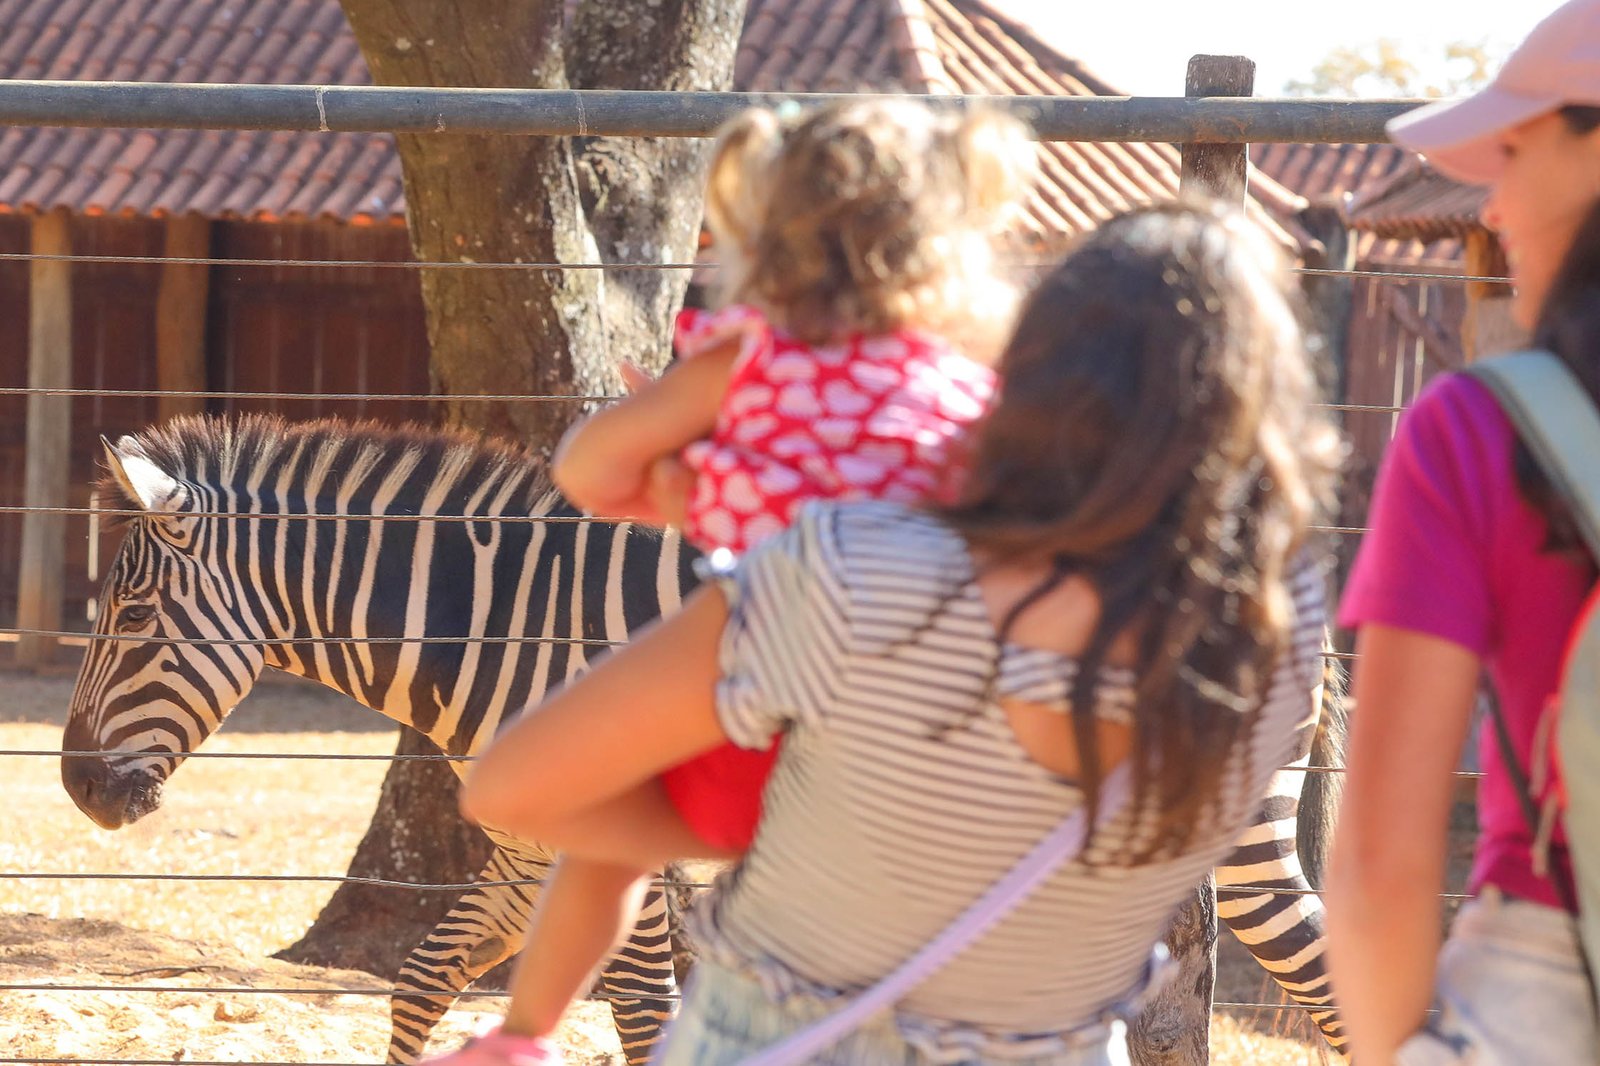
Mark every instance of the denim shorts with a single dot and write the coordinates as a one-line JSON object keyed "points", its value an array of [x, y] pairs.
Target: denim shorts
{"points": [[1511, 990], [727, 1017]]}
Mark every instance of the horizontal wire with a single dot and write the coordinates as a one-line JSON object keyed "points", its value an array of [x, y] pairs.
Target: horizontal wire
{"points": [[243, 990], [1268, 890], [526, 882], [411, 264], [1401, 275], [581, 642], [55, 753], [151, 394], [1304, 1007], [610, 997], [202, 642], [337, 879], [34, 1060], [1375, 408], [351, 397], [389, 264], [305, 755], [312, 516], [514, 519]]}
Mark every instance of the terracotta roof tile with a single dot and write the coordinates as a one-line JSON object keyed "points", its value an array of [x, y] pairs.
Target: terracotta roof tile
{"points": [[1417, 203], [787, 45], [1327, 171], [1333, 173]]}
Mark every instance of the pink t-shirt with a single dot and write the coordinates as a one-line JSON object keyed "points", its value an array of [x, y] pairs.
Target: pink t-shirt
{"points": [[1455, 552]]}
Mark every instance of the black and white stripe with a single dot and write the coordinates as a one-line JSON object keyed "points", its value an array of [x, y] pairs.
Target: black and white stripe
{"points": [[264, 578], [860, 633], [258, 578]]}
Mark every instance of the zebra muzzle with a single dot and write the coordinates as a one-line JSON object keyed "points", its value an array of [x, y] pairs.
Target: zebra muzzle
{"points": [[110, 795]]}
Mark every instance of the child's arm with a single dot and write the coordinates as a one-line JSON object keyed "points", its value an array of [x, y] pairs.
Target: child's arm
{"points": [[603, 464]]}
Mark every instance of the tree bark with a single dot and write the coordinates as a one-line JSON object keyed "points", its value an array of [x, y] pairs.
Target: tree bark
{"points": [[515, 332], [416, 836]]}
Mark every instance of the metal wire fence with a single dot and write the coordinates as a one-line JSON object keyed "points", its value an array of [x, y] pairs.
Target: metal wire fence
{"points": [[96, 513]]}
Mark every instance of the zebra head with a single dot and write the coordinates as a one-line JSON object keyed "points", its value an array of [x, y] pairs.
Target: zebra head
{"points": [[148, 686]]}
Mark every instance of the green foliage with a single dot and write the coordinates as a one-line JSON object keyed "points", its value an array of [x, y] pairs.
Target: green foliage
{"points": [[1387, 67]]}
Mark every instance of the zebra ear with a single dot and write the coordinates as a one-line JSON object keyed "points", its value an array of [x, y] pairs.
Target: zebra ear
{"points": [[144, 482]]}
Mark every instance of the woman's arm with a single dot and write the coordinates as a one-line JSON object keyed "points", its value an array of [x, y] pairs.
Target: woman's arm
{"points": [[1414, 696], [641, 709], [603, 463]]}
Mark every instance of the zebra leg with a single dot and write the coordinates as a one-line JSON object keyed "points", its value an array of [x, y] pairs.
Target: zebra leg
{"points": [[486, 926], [1282, 928], [640, 982]]}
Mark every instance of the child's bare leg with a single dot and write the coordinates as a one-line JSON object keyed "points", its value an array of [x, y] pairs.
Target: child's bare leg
{"points": [[592, 898], [586, 910], [639, 828]]}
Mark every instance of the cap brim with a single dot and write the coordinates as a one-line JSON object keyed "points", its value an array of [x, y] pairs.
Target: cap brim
{"points": [[1458, 136]]}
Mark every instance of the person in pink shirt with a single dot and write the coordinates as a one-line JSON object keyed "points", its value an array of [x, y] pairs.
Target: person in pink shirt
{"points": [[1472, 568]]}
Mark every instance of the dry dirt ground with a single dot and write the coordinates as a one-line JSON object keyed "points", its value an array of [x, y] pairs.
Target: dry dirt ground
{"points": [[213, 940]]}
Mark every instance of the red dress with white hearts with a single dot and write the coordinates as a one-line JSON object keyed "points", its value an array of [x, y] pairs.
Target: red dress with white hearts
{"points": [[870, 417]]}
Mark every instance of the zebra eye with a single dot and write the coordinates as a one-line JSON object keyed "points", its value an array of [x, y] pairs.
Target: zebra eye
{"points": [[135, 615]]}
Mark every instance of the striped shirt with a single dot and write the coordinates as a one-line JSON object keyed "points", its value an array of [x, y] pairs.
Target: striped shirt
{"points": [[901, 793]]}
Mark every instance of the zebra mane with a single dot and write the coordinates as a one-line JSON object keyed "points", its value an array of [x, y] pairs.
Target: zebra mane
{"points": [[219, 453]]}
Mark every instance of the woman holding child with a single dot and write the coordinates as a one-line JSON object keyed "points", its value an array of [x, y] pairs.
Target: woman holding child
{"points": [[1099, 605]]}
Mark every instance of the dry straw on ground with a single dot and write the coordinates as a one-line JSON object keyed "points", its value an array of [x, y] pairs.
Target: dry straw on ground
{"points": [[244, 817]]}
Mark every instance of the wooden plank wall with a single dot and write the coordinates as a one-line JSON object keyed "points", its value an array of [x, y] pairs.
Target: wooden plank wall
{"points": [[268, 329], [1401, 336]]}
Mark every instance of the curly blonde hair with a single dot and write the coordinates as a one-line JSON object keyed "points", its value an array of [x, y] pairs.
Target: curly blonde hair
{"points": [[869, 216]]}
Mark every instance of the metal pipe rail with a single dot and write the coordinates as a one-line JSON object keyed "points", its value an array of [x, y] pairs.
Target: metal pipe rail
{"points": [[616, 113]]}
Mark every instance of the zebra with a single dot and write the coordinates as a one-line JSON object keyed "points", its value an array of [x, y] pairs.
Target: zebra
{"points": [[225, 571]]}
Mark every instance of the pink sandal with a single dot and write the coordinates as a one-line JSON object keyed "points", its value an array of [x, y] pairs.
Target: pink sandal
{"points": [[495, 1047]]}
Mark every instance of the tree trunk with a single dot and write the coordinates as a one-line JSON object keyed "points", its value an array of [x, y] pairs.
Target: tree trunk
{"points": [[416, 835], [515, 332]]}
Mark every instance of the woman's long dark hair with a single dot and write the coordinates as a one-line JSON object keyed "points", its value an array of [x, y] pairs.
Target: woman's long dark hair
{"points": [[1155, 432], [1568, 325]]}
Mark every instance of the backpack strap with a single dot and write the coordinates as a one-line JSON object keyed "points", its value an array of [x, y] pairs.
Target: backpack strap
{"points": [[1558, 423]]}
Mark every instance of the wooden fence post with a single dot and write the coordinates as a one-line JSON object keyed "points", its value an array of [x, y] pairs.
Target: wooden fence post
{"points": [[49, 439], [1218, 169], [181, 316], [1175, 1029]]}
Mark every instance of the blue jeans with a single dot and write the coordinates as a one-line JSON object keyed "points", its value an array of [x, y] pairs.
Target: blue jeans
{"points": [[727, 1017], [1511, 991]]}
